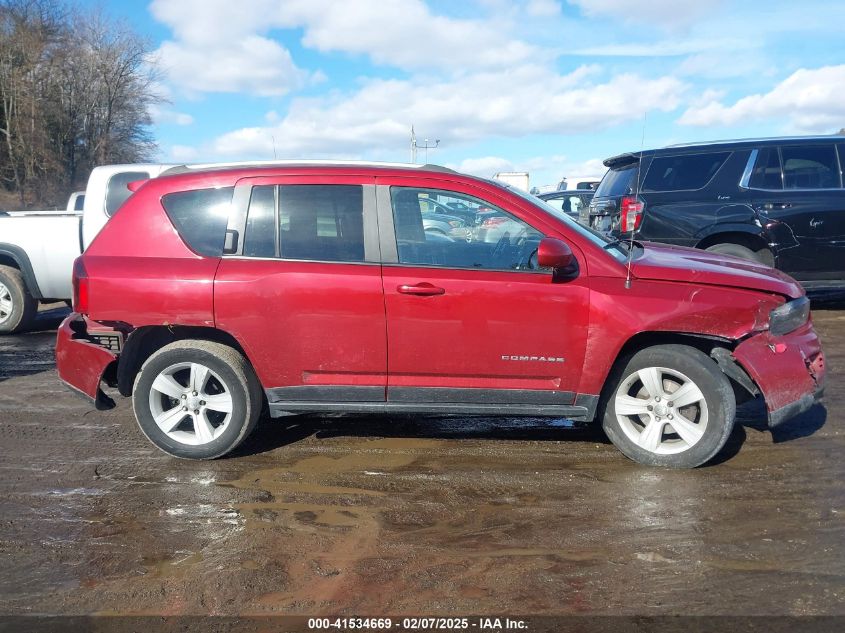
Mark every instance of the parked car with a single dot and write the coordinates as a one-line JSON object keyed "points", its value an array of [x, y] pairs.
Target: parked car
{"points": [[37, 248], [215, 293], [570, 202], [778, 201]]}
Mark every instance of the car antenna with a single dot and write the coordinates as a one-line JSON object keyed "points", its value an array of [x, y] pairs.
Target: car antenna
{"points": [[637, 198]]}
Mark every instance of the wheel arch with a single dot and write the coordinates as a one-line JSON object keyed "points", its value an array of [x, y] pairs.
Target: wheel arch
{"points": [[716, 347], [749, 235], [145, 341], [15, 257]]}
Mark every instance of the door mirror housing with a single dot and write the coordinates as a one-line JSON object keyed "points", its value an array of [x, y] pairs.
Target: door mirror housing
{"points": [[556, 254]]}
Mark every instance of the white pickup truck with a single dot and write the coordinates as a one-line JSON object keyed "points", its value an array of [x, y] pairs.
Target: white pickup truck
{"points": [[37, 248]]}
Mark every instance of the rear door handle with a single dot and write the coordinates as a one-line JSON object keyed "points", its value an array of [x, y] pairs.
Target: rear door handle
{"points": [[423, 289]]}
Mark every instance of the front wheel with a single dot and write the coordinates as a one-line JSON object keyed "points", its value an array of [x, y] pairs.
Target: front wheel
{"points": [[670, 406], [196, 399]]}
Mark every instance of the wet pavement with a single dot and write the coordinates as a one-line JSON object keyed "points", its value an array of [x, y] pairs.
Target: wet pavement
{"points": [[409, 514]]}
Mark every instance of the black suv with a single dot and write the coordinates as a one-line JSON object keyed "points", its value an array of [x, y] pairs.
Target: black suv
{"points": [[779, 201]]}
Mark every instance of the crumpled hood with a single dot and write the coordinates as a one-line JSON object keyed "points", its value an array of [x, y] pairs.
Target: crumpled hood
{"points": [[691, 265]]}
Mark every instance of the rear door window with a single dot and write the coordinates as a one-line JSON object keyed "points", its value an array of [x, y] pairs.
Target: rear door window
{"points": [[810, 167], [683, 173], [767, 172], [260, 237], [200, 216], [617, 182], [321, 222]]}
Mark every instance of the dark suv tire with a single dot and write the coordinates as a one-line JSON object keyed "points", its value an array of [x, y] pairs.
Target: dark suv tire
{"points": [[17, 307], [671, 406], [196, 399], [737, 250]]}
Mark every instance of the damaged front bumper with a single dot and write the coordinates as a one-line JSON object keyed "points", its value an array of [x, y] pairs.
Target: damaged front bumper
{"points": [[789, 370], [84, 357]]}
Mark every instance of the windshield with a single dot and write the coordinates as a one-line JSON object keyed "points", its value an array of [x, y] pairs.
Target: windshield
{"points": [[618, 249]]}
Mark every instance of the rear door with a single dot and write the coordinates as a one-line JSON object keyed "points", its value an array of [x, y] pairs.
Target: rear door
{"points": [[301, 288], [473, 322], [801, 186]]}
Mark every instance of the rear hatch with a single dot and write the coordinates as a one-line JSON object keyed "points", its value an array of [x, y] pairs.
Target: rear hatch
{"points": [[619, 181]]}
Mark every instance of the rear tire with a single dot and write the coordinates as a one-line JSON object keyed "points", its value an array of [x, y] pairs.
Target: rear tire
{"points": [[671, 406], [17, 307], [737, 250], [196, 399]]}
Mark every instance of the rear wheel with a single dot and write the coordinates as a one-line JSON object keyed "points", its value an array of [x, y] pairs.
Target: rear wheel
{"points": [[196, 399], [738, 250], [17, 307], [671, 406]]}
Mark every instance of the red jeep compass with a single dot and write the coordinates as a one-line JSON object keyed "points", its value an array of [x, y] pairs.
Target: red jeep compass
{"points": [[213, 293]]}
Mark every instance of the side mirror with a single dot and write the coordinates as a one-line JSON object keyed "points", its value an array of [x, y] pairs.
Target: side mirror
{"points": [[556, 254]]}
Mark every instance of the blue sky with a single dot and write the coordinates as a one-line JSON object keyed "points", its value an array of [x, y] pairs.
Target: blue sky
{"points": [[543, 86]]}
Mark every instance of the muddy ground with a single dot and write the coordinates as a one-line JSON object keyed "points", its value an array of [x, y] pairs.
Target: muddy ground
{"points": [[410, 515]]}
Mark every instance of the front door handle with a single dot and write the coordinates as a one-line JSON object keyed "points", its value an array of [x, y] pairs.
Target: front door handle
{"points": [[423, 289], [772, 206]]}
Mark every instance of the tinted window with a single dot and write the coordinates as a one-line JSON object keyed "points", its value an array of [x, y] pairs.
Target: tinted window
{"points": [[79, 203], [492, 239], [116, 191], [201, 216], [617, 182], [767, 172], [810, 167], [683, 173], [260, 238], [321, 222]]}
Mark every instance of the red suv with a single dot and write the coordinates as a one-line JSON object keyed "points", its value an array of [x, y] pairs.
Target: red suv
{"points": [[214, 293]]}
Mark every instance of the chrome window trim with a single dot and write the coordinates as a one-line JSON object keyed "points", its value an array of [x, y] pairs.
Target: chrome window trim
{"points": [[749, 167]]}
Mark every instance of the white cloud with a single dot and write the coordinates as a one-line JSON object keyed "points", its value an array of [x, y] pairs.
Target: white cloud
{"points": [[165, 115], [484, 166], [519, 102], [222, 46], [542, 8], [810, 100], [183, 153], [666, 13]]}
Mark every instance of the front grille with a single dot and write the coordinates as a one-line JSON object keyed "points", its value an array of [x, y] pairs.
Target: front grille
{"points": [[112, 342]]}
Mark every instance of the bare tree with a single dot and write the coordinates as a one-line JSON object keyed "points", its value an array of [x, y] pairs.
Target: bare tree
{"points": [[75, 92]]}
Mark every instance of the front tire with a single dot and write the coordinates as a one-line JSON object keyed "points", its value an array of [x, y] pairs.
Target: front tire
{"points": [[670, 406], [196, 399], [17, 307]]}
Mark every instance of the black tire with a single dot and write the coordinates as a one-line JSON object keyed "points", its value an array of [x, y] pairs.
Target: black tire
{"points": [[737, 250], [718, 398], [24, 306], [236, 376]]}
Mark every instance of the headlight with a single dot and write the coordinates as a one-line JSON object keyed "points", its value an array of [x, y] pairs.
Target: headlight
{"points": [[790, 316]]}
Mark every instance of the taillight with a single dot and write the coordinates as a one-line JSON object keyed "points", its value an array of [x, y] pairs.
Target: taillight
{"points": [[632, 213], [496, 220], [80, 287]]}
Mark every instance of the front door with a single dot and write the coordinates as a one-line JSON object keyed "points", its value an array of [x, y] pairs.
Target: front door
{"points": [[470, 317], [302, 291]]}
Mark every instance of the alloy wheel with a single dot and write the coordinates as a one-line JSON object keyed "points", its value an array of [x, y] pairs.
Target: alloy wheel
{"points": [[190, 403], [661, 410]]}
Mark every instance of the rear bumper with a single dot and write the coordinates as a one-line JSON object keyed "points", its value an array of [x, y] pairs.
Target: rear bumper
{"points": [[82, 363], [789, 370]]}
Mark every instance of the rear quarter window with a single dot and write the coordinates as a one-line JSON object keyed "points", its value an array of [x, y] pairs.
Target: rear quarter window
{"points": [[200, 216], [683, 173], [617, 182]]}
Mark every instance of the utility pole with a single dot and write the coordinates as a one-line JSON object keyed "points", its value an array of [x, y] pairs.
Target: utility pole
{"points": [[425, 146]]}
